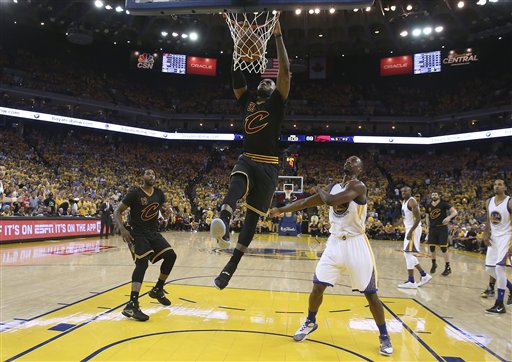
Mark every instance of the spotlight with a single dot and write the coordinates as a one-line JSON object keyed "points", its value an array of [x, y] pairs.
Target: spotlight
{"points": [[174, 34], [98, 3], [298, 11], [317, 11], [311, 11], [193, 36], [164, 33], [427, 30], [108, 7], [439, 29], [356, 10], [332, 10], [368, 8], [404, 33], [481, 2], [460, 4], [416, 32], [392, 7], [409, 7], [119, 9], [184, 36]]}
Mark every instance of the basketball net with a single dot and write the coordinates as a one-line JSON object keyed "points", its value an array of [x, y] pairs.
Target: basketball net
{"points": [[287, 194], [245, 28]]}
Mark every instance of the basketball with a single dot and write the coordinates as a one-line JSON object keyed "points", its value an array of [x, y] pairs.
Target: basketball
{"points": [[249, 47]]}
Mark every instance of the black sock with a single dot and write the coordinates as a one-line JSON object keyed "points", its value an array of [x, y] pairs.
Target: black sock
{"points": [[160, 284], [134, 296], [433, 261], [491, 286], [447, 265], [225, 215]]}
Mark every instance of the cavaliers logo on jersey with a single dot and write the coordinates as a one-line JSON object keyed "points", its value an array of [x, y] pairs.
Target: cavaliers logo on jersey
{"points": [[150, 211], [254, 122], [341, 210], [434, 213], [251, 107], [495, 217], [143, 201]]}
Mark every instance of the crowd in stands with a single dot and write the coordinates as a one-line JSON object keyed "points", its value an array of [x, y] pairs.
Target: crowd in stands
{"points": [[193, 96], [62, 172]]}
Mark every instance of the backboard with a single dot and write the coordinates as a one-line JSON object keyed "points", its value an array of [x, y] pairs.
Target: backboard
{"points": [[168, 7]]}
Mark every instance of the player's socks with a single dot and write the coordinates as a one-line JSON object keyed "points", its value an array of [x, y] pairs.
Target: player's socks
{"points": [[312, 316], [423, 273], [134, 296], [160, 284], [382, 329], [410, 279], [501, 295]]}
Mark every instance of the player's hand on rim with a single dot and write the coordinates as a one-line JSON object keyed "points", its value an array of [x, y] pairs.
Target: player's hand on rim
{"points": [[277, 28]]}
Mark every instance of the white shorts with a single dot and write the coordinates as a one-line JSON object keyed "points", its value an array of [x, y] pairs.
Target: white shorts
{"points": [[497, 252], [413, 245], [353, 255]]}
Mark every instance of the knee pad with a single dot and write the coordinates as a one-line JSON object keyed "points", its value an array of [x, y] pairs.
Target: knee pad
{"points": [[169, 258], [410, 260], [140, 269], [444, 249], [432, 248]]}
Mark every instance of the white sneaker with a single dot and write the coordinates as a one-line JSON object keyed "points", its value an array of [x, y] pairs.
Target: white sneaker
{"points": [[408, 285], [307, 328], [217, 231], [424, 280]]}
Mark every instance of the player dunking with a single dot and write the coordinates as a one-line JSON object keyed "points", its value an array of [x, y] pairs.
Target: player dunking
{"points": [[145, 242], [255, 173], [412, 222], [348, 248], [437, 225], [498, 237]]}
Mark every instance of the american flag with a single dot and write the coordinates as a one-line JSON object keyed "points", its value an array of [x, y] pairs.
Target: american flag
{"points": [[272, 69]]}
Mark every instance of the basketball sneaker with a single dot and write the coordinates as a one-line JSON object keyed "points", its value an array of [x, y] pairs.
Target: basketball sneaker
{"points": [[306, 329], [447, 271], [224, 277], [159, 294], [497, 308], [132, 310], [220, 231], [408, 285], [386, 348], [433, 269], [424, 280], [489, 293], [509, 300]]}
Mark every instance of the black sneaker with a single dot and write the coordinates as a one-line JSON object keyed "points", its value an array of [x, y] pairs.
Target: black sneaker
{"points": [[489, 293], [224, 277], [498, 308], [159, 294], [509, 300], [132, 310], [220, 231], [433, 269], [447, 271]]}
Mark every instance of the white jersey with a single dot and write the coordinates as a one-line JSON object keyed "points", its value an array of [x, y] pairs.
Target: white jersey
{"points": [[346, 220], [408, 215], [499, 217]]}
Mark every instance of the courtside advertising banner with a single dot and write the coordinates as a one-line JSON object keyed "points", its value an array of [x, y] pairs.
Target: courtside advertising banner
{"points": [[19, 229], [396, 65], [202, 66]]}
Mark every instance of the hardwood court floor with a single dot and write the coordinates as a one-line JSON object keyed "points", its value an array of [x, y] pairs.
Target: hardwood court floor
{"points": [[62, 301]]}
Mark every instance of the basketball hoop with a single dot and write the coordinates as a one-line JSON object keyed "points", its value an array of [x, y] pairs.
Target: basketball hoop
{"points": [[250, 33]]}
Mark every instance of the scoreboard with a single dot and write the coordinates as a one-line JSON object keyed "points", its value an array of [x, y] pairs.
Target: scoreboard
{"points": [[174, 63], [427, 62]]}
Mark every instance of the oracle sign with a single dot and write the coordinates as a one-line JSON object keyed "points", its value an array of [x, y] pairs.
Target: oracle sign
{"points": [[202, 66], [396, 65], [21, 229]]}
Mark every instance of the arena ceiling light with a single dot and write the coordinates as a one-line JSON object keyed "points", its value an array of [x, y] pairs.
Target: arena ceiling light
{"points": [[193, 36], [460, 4], [416, 32], [481, 2], [438, 29], [392, 7], [368, 8], [311, 11], [332, 10], [427, 30], [404, 33], [164, 33], [184, 36], [409, 7], [98, 3], [317, 11], [119, 9], [108, 7], [298, 11], [174, 34]]}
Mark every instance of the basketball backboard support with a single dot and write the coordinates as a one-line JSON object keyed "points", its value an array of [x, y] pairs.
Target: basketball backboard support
{"points": [[168, 7], [295, 184]]}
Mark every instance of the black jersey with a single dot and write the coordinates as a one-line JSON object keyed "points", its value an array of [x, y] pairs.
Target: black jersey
{"points": [[436, 214], [144, 208], [262, 126]]}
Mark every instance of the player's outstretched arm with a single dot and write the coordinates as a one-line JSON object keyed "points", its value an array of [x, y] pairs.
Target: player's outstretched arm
{"points": [[302, 204], [283, 77], [351, 192], [119, 222]]}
